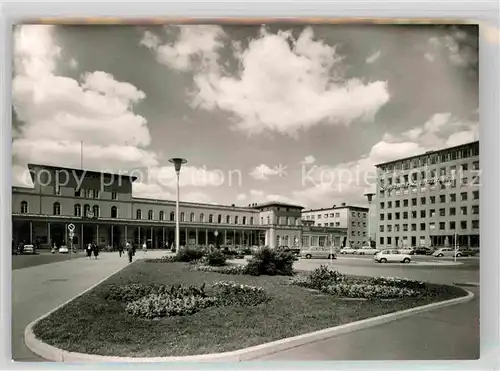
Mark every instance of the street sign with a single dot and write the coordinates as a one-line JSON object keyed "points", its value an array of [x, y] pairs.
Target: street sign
{"points": [[71, 227]]}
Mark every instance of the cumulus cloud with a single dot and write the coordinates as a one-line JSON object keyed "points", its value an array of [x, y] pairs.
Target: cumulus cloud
{"points": [[284, 84], [56, 113], [457, 46], [349, 181], [373, 57], [263, 172]]}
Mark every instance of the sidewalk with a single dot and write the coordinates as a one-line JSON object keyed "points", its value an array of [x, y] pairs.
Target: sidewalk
{"points": [[445, 334], [37, 290]]}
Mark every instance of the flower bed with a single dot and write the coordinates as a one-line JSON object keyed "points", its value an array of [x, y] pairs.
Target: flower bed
{"points": [[367, 291], [228, 269], [232, 293]]}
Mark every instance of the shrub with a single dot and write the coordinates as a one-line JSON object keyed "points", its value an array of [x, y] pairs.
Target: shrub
{"points": [[271, 262], [368, 291], [215, 258], [129, 292], [163, 305], [324, 276], [232, 293], [180, 291], [187, 254]]}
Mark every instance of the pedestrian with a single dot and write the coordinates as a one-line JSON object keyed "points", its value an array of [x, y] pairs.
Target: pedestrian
{"points": [[95, 250], [120, 249], [144, 247], [130, 251], [89, 251]]}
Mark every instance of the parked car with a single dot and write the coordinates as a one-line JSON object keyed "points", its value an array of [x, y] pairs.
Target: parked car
{"points": [[63, 250], [466, 252], [348, 250], [422, 250], [319, 252], [444, 251], [367, 250], [407, 250], [395, 256], [28, 249]]}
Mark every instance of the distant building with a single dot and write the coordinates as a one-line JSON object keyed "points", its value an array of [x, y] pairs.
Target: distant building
{"points": [[429, 198], [352, 218], [103, 210]]}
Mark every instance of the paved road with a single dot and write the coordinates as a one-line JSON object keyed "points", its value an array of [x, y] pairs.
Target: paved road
{"points": [[450, 333], [37, 290], [26, 261]]}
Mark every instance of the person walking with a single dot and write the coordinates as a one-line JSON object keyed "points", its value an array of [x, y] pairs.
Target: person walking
{"points": [[130, 251], [145, 247], [95, 250], [89, 251], [120, 249]]}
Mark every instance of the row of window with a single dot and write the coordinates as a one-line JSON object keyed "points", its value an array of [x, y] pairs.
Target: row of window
{"points": [[444, 171], [433, 158], [336, 224], [452, 225], [452, 197], [432, 213], [451, 184], [358, 233], [333, 215]]}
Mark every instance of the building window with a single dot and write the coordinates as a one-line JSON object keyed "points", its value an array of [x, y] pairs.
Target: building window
{"points": [[228, 219], [319, 224], [337, 224], [475, 224], [442, 226], [397, 216], [413, 202], [413, 227], [96, 193], [453, 211], [414, 214], [422, 213], [90, 193], [452, 226], [442, 212], [210, 218], [396, 227], [182, 217], [262, 220], [463, 196], [78, 210], [202, 218], [24, 207], [95, 211], [475, 195], [382, 216], [433, 200], [191, 217], [389, 228], [422, 200], [57, 208], [389, 216], [268, 220], [114, 196], [464, 167], [432, 226], [150, 215], [475, 209], [244, 220], [453, 197], [442, 199], [405, 215], [381, 228], [405, 227], [162, 215], [381, 240], [389, 204], [475, 165], [398, 204], [172, 216], [432, 213], [382, 206], [405, 203], [251, 220], [463, 224], [422, 226], [236, 219], [114, 212], [219, 218], [463, 210], [86, 210], [138, 214]]}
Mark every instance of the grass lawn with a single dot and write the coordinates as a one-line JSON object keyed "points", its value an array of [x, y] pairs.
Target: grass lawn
{"points": [[91, 324]]}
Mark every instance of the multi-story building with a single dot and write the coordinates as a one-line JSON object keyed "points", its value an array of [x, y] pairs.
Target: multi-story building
{"points": [[430, 198], [103, 210], [353, 218]]}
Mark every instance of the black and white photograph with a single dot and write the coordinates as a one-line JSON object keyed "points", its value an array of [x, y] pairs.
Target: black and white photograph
{"points": [[242, 191]]}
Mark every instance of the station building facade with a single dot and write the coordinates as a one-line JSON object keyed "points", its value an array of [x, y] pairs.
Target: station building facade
{"points": [[430, 199], [103, 210]]}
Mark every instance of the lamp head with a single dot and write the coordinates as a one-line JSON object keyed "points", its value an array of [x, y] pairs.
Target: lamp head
{"points": [[369, 196], [177, 163]]}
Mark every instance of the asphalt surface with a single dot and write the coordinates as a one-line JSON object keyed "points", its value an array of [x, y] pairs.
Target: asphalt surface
{"points": [[44, 257], [39, 285]]}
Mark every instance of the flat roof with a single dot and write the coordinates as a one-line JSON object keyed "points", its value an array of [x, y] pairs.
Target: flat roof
{"points": [[79, 171], [336, 208], [276, 203], [428, 153]]}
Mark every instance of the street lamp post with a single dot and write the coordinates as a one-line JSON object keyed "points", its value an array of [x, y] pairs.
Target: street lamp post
{"points": [[369, 196], [177, 164]]}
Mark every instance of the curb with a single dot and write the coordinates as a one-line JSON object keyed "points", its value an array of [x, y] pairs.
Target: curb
{"points": [[52, 353], [467, 284]]}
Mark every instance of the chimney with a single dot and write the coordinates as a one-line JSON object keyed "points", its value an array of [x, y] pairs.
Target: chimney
{"points": [[334, 206], [343, 203]]}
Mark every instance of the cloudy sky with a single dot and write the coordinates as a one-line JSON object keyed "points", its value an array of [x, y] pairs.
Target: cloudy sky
{"points": [[268, 112]]}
